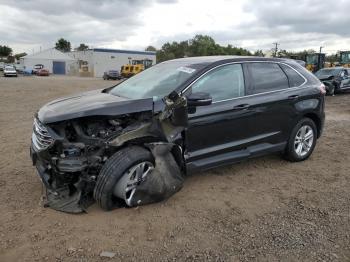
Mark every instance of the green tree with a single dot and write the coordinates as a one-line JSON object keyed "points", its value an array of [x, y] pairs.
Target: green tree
{"points": [[18, 56], [5, 51], [259, 53], [150, 48], [10, 59], [81, 47], [63, 45], [200, 45]]}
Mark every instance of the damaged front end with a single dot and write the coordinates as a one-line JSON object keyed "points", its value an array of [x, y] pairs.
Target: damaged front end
{"points": [[69, 154]]}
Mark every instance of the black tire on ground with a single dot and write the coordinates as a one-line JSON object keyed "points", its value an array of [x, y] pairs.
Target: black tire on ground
{"points": [[114, 168], [290, 153]]}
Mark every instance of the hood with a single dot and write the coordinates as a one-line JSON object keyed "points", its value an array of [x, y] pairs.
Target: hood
{"points": [[93, 103], [325, 77], [10, 70]]}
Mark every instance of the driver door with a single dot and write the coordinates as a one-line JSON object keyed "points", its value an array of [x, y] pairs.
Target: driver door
{"points": [[225, 125]]}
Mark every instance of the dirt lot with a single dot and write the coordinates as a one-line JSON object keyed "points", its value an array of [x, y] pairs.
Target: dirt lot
{"points": [[264, 209]]}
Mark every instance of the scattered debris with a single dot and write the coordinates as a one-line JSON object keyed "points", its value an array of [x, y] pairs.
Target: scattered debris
{"points": [[107, 254]]}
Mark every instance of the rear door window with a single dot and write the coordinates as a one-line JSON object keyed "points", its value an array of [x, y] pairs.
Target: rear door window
{"points": [[294, 78], [267, 77]]}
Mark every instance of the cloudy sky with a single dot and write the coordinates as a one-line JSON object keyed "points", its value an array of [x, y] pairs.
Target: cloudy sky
{"points": [[27, 25]]}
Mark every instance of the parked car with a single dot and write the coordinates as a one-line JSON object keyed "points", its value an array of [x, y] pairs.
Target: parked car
{"points": [[112, 74], [27, 72], [2, 65], [134, 143], [19, 68], [43, 72], [36, 68], [10, 70], [335, 79]]}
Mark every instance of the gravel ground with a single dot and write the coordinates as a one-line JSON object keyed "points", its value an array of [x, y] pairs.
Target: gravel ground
{"points": [[264, 209]]}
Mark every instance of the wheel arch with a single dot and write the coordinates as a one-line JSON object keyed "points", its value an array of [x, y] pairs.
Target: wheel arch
{"points": [[142, 141], [317, 120]]}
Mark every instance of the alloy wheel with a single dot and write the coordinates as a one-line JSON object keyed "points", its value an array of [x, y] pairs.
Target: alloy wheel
{"points": [[304, 140], [129, 182]]}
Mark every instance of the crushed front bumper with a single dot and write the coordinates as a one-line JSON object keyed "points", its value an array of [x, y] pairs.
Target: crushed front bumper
{"points": [[63, 198]]}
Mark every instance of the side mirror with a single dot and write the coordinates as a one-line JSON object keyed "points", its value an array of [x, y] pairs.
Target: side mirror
{"points": [[199, 99]]}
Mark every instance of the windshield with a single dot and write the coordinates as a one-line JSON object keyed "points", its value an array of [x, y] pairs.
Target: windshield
{"points": [[311, 59], [328, 72], [345, 58], [157, 81], [9, 68]]}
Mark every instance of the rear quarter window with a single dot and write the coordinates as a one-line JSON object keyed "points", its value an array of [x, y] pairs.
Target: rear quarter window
{"points": [[294, 78], [267, 77]]}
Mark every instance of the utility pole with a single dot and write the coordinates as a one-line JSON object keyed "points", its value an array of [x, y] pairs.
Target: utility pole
{"points": [[319, 59], [276, 48], [321, 49]]}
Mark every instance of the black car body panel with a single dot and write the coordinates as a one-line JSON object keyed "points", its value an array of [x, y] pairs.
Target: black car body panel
{"points": [[93, 103], [73, 137]]}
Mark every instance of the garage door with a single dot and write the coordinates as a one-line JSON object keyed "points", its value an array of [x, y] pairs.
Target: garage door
{"points": [[59, 68]]}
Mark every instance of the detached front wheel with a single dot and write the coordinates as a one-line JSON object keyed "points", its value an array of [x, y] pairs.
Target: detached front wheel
{"points": [[121, 176]]}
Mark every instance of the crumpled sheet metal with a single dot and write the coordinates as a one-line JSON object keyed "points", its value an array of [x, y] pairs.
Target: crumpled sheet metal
{"points": [[165, 180]]}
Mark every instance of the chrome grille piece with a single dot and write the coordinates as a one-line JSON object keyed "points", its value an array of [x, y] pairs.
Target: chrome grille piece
{"points": [[41, 138]]}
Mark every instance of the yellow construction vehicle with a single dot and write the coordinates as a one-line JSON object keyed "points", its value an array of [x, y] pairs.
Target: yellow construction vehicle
{"points": [[135, 66], [315, 62], [345, 58]]}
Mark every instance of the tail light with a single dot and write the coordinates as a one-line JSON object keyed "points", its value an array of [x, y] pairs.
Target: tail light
{"points": [[322, 89]]}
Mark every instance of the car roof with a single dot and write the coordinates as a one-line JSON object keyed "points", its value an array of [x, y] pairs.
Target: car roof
{"points": [[225, 58]]}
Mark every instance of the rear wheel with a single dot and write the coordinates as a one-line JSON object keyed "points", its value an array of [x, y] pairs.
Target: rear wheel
{"points": [[302, 141], [121, 175]]}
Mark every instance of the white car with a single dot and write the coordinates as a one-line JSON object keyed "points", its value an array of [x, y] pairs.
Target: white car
{"points": [[10, 71]]}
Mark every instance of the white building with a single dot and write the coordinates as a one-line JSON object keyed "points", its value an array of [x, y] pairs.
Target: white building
{"points": [[55, 61], [94, 62]]}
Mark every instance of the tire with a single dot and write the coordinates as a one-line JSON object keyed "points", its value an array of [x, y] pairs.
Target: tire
{"points": [[113, 170], [331, 91], [293, 152]]}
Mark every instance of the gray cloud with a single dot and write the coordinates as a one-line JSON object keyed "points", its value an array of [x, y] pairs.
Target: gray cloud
{"points": [[296, 24], [96, 22]]}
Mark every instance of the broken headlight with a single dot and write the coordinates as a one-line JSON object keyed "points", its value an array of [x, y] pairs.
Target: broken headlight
{"points": [[41, 137]]}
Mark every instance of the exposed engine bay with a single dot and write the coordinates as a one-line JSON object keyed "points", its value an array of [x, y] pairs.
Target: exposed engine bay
{"points": [[70, 154]]}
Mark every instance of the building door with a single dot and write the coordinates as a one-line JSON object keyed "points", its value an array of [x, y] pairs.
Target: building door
{"points": [[59, 68]]}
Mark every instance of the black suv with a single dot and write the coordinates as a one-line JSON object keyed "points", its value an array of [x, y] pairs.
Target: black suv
{"points": [[134, 143]]}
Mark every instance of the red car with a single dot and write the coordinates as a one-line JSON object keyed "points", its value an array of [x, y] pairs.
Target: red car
{"points": [[43, 72]]}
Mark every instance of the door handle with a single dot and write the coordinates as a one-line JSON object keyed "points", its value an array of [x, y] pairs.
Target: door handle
{"points": [[241, 107], [293, 97]]}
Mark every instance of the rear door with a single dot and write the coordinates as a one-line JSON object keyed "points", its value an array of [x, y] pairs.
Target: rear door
{"points": [[273, 90]]}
